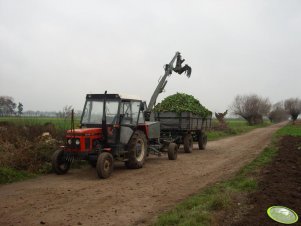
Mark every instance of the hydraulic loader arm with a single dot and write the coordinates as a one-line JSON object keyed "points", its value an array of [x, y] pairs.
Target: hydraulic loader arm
{"points": [[163, 81]]}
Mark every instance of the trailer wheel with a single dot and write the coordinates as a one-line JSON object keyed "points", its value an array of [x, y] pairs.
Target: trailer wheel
{"points": [[59, 164], [137, 151], [104, 165], [202, 141], [172, 151], [188, 143]]}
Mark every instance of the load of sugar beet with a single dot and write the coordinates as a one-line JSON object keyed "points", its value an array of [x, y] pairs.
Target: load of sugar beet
{"points": [[181, 102]]}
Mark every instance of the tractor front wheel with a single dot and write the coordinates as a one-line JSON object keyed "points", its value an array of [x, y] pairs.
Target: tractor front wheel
{"points": [[59, 164], [137, 151], [172, 151], [104, 165]]}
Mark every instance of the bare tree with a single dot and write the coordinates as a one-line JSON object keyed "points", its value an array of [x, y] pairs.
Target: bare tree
{"points": [[251, 107], [278, 113], [293, 107], [7, 105], [66, 112], [78, 114]]}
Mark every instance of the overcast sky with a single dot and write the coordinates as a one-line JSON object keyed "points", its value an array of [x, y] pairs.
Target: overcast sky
{"points": [[52, 53]]}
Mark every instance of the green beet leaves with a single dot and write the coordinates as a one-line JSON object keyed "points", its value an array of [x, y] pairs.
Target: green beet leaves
{"points": [[181, 102]]}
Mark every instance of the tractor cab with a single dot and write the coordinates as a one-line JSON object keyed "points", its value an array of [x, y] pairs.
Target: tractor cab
{"points": [[113, 109], [107, 124]]}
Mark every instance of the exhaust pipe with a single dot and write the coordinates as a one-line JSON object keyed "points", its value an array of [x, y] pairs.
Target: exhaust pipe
{"points": [[104, 122]]}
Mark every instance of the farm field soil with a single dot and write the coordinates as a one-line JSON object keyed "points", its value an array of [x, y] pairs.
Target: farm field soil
{"points": [[280, 184], [128, 197]]}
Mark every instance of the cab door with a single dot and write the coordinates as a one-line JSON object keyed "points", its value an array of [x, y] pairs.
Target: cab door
{"points": [[129, 116]]}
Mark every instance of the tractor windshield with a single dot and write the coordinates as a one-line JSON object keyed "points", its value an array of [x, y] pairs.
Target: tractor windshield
{"points": [[93, 112]]}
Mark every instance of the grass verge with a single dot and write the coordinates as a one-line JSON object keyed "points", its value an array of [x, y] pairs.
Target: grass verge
{"points": [[9, 175], [199, 209], [235, 127]]}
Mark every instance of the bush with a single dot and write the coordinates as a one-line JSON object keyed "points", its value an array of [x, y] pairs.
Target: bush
{"points": [[24, 148]]}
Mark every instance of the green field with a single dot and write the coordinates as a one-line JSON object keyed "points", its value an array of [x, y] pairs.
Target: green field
{"points": [[291, 130], [59, 123]]}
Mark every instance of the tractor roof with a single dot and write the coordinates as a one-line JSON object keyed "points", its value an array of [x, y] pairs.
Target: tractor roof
{"points": [[129, 97], [112, 96]]}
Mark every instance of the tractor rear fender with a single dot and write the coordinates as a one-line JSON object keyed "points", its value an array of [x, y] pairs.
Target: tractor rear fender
{"points": [[144, 128], [150, 129]]}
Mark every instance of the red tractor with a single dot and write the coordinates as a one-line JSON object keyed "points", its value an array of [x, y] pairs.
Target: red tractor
{"points": [[115, 127]]}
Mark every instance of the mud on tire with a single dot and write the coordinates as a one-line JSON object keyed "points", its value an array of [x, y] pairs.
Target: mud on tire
{"points": [[202, 141], [172, 151], [137, 151], [188, 143], [104, 165], [59, 164]]}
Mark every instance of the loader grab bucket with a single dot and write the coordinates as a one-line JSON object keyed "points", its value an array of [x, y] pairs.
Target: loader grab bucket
{"points": [[179, 69]]}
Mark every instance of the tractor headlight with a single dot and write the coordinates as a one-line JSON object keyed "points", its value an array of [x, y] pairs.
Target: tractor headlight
{"points": [[77, 142], [69, 141]]}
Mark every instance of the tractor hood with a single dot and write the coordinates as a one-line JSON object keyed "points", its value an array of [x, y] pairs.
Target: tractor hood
{"points": [[85, 132]]}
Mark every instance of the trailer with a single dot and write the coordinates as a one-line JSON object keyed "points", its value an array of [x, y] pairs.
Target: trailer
{"points": [[183, 128]]}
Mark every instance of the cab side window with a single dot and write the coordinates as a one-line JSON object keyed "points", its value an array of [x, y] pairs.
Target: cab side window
{"points": [[135, 111], [126, 113]]}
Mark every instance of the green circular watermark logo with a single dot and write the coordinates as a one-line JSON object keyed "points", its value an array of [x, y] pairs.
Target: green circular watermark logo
{"points": [[282, 214]]}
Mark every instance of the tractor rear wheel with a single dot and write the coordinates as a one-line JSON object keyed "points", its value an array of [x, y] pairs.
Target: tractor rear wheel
{"points": [[59, 164], [202, 141], [104, 165], [188, 143], [172, 151], [137, 151]]}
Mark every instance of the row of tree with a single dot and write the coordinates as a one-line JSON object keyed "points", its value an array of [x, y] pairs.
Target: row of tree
{"points": [[8, 108], [253, 108]]}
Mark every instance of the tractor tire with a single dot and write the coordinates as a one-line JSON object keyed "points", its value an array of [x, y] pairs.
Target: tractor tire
{"points": [[59, 164], [137, 151], [188, 143], [172, 151], [104, 165], [202, 141]]}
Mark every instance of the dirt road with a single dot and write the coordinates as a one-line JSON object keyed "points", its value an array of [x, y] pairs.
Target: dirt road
{"points": [[128, 197]]}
